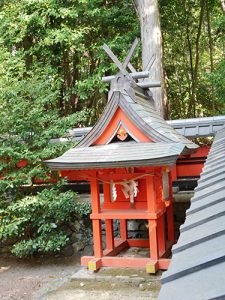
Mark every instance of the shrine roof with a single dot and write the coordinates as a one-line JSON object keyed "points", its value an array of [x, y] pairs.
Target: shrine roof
{"points": [[116, 155], [140, 109], [198, 261]]}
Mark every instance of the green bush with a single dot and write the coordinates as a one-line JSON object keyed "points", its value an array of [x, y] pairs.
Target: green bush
{"points": [[37, 222]]}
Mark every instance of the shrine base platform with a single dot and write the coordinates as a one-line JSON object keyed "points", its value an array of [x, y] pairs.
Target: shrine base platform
{"points": [[118, 257]]}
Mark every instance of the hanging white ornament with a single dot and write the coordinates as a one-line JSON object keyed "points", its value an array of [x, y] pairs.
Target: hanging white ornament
{"points": [[126, 189], [114, 192], [135, 187]]}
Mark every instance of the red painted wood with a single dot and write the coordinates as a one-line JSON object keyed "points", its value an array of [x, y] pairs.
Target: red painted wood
{"points": [[95, 196], [161, 235], [170, 222], [119, 246], [129, 214], [164, 263], [127, 262], [123, 229], [97, 238], [151, 202], [112, 126], [153, 241], [125, 205], [109, 234], [138, 243]]}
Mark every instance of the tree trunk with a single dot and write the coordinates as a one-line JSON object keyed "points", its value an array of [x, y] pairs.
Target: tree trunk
{"points": [[148, 11], [210, 51], [193, 100], [223, 5]]}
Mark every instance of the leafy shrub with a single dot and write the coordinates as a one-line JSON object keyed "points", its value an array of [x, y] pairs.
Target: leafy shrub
{"points": [[38, 221]]}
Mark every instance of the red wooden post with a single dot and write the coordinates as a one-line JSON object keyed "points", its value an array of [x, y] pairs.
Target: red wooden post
{"points": [[123, 229], [97, 234], [161, 235], [97, 238], [170, 222], [169, 213], [151, 203], [107, 194], [108, 222], [174, 173], [153, 239], [109, 234]]}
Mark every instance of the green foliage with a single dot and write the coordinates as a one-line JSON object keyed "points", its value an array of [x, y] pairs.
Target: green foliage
{"points": [[218, 80], [68, 36], [37, 221], [51, 64], [193, 38], [30, 117]]}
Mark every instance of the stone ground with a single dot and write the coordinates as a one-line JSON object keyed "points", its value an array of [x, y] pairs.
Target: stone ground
{"points": [[109, 284], [30, 279], [63, 278]]}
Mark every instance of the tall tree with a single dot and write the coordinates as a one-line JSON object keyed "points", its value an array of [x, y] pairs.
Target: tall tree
{"points": [[151, 38], [223, 5]]}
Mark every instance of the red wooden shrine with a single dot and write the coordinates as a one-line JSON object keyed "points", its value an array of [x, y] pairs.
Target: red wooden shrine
{"points": [[131, 151], [149, 204]]}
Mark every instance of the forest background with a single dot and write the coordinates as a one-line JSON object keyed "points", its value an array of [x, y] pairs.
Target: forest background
{"points": [[51, 64]]}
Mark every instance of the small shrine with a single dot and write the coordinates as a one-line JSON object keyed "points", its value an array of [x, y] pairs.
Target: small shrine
{"points": [[131, 151]]}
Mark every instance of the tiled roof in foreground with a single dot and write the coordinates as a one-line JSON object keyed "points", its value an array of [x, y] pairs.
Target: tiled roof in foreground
{"points": [[197, 269]]}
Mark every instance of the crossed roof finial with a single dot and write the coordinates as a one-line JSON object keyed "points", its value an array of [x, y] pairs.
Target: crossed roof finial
{"points": [[134, 75]]}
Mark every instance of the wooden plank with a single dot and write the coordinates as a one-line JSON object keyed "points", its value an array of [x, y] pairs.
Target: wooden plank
{"points": [[124, 262], [119, 177], [125, 204], [127, 214], [119, 246], [127, 262], [142, 243]]}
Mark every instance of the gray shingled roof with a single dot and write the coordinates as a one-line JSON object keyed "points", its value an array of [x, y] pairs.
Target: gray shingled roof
{"points": [[198, 127], [190, 128], [118, 155], [136, 104], [197, 269]]}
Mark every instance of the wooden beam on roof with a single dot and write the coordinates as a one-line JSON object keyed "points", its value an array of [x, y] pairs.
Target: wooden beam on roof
{"points": [[149, 84], [130, 53], [115, 59], [134, 75]]}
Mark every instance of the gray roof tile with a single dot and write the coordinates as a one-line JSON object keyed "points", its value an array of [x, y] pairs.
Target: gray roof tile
{"points": [[198, 260], [118, 155]]}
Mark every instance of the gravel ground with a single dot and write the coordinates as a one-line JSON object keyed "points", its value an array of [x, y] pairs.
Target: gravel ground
{"points": [[33, 278], [58, 278]]}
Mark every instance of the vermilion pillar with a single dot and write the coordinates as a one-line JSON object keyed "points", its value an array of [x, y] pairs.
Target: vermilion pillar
{"points": [[97, 230], [151, 207]]}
